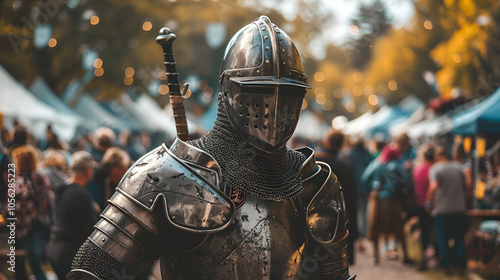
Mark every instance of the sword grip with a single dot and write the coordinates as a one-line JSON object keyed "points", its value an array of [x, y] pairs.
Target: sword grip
{"points": [[166, 38]]}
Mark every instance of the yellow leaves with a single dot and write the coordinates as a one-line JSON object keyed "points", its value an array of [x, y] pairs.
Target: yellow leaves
{"points": [[459, 57]]}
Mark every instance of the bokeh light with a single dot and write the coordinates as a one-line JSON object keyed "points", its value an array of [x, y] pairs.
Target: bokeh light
{"points": [[328, 106], [373, 99], [321, 99], [357, 76], [393, 85], [52, 42], [98, 63], [338, 93], [94, 20], [353, 29], [163, 89], [457, 58], [128, 81], [428, 25], [129, 72], [98, 72], [319, 76], [357, 90], [319, 90], [147, 25]]}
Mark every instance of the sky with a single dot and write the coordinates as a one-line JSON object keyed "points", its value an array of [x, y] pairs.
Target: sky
{"points": [[337, 33]]}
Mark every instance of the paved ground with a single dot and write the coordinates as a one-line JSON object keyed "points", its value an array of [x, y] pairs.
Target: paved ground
{"points": [[395, 269]]}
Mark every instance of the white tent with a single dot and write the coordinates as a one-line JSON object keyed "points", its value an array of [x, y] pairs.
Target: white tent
{"points": [[150, 110], [311, 126], [359, 124], [16, 102]]}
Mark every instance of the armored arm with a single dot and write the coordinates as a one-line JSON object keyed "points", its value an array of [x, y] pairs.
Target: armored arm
{"points": [[327, 233], [127, 237]]}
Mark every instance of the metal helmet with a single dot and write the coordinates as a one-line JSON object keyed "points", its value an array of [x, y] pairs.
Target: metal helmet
{"points": [[263, 84]]}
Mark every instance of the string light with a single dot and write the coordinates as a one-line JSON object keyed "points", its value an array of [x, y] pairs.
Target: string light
{"points": [[163, 89], [98, 72], [98, 63], [94, 20], [129, 72], [304, 105], [52, 42], [319, 76], [428, 25], [393, 85], [373, 99], [128, 81], [147, 25]]}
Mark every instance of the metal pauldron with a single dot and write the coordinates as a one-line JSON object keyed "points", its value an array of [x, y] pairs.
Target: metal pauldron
{"points": [[327, 233]]}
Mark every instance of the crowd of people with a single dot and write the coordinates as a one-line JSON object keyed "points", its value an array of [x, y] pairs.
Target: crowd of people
{"points": [[387, 183], [61, 188]]}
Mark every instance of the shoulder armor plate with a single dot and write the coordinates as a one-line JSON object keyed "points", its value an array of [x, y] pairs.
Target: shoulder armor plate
{"points": [[326, 214], [191, 202]]}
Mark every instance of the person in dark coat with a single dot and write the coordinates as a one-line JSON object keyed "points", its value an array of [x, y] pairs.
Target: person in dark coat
{"points": [[328, 153], [74, 214]]}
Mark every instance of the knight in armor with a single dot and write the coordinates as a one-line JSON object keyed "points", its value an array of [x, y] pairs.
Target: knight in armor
{"points": [[236, 203]]}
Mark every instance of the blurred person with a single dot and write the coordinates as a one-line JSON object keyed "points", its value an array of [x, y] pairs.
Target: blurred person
{"points": [[104, 138], [33, 210], [20, 139], [358, 158], [55, 168], [423, 163], [4, 169], [328, 153], [376, 144], [5, 136], [446, 201], [145, 140], [74, 214], [384, 178], [130, 144], [458, 155], [112, 167]]}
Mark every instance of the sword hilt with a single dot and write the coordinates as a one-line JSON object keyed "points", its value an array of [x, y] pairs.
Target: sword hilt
{"points": [[166, 38]]}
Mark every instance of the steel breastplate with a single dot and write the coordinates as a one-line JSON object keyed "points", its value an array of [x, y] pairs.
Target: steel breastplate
{"points": [[265, 241]]}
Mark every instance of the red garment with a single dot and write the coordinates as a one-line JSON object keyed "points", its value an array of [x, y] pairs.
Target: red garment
{"points": [[421, 181]]}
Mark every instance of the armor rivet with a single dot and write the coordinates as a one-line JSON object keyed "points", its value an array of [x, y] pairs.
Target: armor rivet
{"points": [[267, 48], [228, 206], [224, 219], [266, 37], [284, 62], [282, 50], [278, 31], [258, 71], [150, 201], [263, 29], [173, 217], [267, 60], [104, 239]]}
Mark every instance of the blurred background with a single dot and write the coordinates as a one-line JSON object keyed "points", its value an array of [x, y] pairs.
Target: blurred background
{"points": [[379, 69]]}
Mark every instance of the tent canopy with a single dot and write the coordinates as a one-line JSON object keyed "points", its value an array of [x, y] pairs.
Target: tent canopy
{"points": [[43, 92], [481, 118], [16, 102]]}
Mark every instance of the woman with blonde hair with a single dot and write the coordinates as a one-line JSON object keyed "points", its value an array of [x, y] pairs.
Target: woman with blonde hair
{"points": [[33, 210]]}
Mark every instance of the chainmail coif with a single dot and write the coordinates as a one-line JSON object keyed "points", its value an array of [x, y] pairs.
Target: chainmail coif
{"points": [[262, 175]]}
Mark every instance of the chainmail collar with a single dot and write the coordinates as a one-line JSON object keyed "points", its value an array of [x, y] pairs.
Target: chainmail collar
{"points": [[265, 176]]}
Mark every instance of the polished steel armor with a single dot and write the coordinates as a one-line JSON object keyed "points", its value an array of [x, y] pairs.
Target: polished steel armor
{"points": [[234, 204], [263, 84]]}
